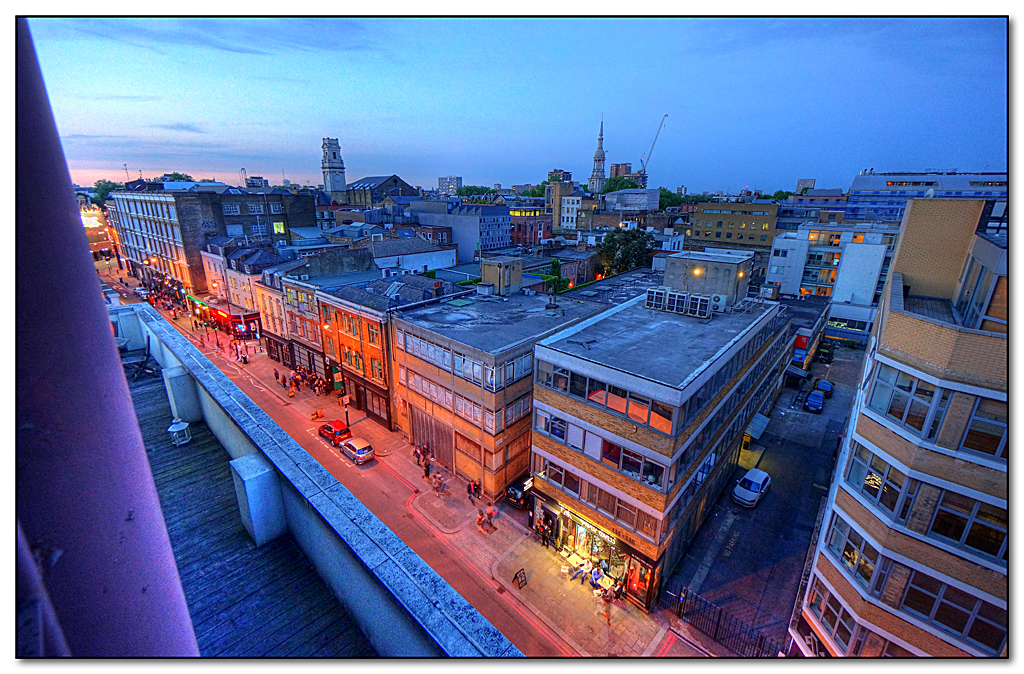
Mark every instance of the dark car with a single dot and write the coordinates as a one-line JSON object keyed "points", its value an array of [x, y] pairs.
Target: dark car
{"points": [[518, 491], [334, 432], [825, 353], [825, 386], [815, 402]]}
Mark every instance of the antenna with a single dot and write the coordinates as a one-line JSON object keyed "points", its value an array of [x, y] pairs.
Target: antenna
{"points": [[127, 177]]}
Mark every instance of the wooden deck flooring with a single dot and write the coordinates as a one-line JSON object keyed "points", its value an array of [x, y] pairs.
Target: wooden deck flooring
{"points": [[244, 601]]}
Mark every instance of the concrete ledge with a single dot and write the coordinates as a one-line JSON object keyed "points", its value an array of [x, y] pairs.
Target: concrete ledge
{"points": [[343, 539]]}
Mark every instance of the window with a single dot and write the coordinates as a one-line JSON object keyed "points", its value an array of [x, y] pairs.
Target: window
{"points": [[986, 431], [259, 228], [632, 463], [255, 209], [881, 483], [854, 553], [764, 237], [377, 369], [971, 525], [971, 619], [780, 253], [908, 401], [611, 453], [373, 334], [230, 209], [275, 208]]}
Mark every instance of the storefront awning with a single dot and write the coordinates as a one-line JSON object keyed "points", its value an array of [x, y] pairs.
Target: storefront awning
{"points": [[757, 425], [796, 371]]}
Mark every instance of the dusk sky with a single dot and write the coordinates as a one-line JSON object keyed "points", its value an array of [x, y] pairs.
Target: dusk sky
{"points": [[750, 102]]}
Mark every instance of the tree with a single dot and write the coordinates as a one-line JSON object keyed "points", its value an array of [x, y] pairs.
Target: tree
{"points": [[780, 195], [535, 191], [558, 284], [695, 198], [667, 199], [619, 183], [470, 190], [102, 188], [625, 249], [184, 177]]}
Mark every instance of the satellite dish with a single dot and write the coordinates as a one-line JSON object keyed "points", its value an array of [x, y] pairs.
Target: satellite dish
{"points": [[930, 194]]}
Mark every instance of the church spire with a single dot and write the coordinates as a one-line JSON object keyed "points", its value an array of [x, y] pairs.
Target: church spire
{"points": [[597, 179]]}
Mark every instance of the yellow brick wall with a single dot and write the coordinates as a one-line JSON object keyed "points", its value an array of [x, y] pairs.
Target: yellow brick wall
{"points": [[874, 615], [933, 243], [972, 574], [958, 471]]}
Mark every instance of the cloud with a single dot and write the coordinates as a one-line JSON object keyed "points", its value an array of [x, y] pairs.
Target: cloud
{"points": [[257, 36], [180, 126]]}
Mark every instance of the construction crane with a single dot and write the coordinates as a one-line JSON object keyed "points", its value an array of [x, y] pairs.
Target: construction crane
{"points": [[645, 162]]}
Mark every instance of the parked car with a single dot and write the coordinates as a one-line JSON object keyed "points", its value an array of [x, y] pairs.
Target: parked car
{"points": [[751, 488], [357, 449], [518, 491], [334, 432], [825, 386], [825, 352], [815, 402], [141, 292]]}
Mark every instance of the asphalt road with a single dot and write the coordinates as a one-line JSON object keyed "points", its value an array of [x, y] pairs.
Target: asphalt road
{"points": [[749, 560]]}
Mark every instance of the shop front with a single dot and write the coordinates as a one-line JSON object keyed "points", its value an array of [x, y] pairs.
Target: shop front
{"points": [[245, 327], [309, 358], [276, 348], [369, 398], [575, 534]]}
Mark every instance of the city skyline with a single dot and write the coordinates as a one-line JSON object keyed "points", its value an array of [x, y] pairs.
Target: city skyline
{"points": [[751, 103]]}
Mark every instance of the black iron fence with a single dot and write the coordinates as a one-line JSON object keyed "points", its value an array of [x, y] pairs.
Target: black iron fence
{"points": [[724, 628]]}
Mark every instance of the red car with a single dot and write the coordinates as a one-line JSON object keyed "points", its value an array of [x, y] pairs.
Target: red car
{"points": [[334, 432]]}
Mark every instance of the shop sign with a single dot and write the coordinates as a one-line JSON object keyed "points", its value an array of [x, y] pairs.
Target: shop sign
{"points": [[520, 578]]}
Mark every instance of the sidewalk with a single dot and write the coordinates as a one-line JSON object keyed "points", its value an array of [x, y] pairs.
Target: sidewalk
{"points": [[568, 609]]}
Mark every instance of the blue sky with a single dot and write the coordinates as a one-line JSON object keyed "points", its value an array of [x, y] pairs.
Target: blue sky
{"points": [[750, 102]]}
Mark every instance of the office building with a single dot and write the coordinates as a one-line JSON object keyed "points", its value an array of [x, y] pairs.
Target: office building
{"points": [[632, 443], [911, 559], [449, 185]]}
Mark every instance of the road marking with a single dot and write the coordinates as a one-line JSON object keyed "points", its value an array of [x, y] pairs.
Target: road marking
{"points": [[712, 552]]}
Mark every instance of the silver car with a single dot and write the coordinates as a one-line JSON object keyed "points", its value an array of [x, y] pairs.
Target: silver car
{"points": [[751, 488], [357, 449]]}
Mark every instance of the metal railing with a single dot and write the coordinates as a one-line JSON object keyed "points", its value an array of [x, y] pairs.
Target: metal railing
{"points": [[724, 628]]}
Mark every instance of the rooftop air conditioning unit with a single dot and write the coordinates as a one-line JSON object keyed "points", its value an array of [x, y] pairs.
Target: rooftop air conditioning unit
{"points": [[769, 292], [677, 302], [718, 303], [699, 306], [484, 288], [656, 298]]}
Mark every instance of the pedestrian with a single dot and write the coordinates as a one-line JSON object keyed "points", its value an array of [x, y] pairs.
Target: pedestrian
{"points": [[476, 488], [276, 374], [426, 468], [416, 453], [480, 519], [545, 531], [605, 607], [469, 490], [440, 484], [491, 514]]}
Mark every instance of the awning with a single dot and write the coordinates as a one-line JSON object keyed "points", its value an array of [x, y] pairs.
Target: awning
{"points": [[757, 426], [797, 371]]}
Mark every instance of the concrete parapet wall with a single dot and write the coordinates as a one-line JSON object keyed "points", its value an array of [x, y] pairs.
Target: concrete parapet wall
{"points": [[399, 602]]}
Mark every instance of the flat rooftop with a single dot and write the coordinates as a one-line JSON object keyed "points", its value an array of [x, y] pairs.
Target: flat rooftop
{"points": [[493, 325], [656, 345], [707, 256], [619, 289]]}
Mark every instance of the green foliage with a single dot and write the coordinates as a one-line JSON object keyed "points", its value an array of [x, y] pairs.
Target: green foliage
{"points": [[626, 249], [469, 281], [102, 189], [556, 282], [179, 176], [619, 183], [780, 195], [695, 199], [430, 274], [470, 190], [667, 199]]}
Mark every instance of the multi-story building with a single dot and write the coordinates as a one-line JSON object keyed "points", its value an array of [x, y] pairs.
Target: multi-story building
{"points": [[529, 224], [269, 294], [356, 337], [911, 559], [558, 175], [232, 272], [823, 206], [163, 231], [745, 224], [631, 201], [370, 192], [333, 167], [848, 262], [620, 170], [449, 185], [886, 194], [569, 209], [464, 380], [474, 227], [632, 444]]}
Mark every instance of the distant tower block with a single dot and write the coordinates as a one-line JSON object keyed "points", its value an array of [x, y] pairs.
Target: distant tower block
{"points": [[334, 170]]}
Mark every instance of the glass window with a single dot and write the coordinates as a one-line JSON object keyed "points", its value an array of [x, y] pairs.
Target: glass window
{"points": [[854, 553], [597, 392], [617, 399], [986, 431], [545, 372], [971, 619], [639, 408], [632, 463], [971, 524], [610, 453], [578, 385], [561, 379], [571, 483], [653, 474], [661, 417], [907, 400]]}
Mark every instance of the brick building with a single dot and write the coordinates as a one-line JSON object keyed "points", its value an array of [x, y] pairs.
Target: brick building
{"points": [[464, 379], [911, 559], [529, 224], [735, 223], [632, 444]]}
